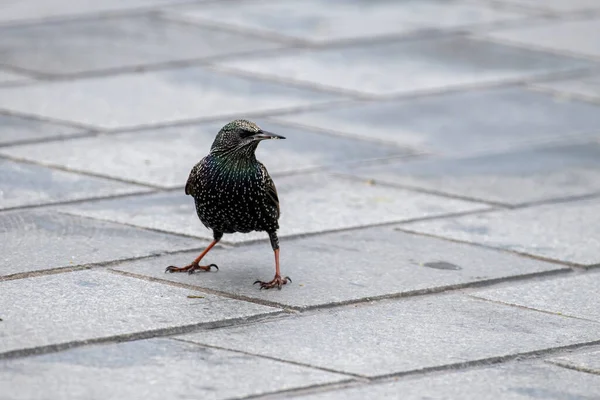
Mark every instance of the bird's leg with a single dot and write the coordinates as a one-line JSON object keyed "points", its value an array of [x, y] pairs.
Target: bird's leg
{"points": [[277, 281], [195, 264]]}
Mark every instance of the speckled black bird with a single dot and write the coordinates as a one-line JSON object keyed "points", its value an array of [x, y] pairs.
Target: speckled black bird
{"points": [[233, 192]]}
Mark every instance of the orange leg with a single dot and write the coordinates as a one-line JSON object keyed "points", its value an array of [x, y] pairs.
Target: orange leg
{"points": [[195, 264], [277, 281]]}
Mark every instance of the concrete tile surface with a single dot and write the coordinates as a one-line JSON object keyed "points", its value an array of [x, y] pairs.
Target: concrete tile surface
{"points": [[568, 295], [40, 240], [11, 77], [154, 98], [556, 5], [152, 369], [324, 21], [346, 266], [31, 10], [430, 123], [586, 87], [105, 43], [15, 129], [565, 231], [520, 176], [392, 337], [588, 361], [560, 36], [164, 157], [318, 203], [522, 381], [432, 65], [95, 304], [27, 184]]}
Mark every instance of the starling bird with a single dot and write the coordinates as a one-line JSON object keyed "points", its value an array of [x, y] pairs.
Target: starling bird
{"points": [[233, 192]]}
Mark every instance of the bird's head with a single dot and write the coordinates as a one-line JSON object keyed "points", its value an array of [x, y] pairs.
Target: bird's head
{"points": [[240, 136]]}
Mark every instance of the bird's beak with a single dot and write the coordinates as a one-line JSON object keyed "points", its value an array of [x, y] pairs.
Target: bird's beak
{"points": [[262, 135]]}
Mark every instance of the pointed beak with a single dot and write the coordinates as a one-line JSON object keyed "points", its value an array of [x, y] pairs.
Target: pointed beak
{"points": [[263, 135]]}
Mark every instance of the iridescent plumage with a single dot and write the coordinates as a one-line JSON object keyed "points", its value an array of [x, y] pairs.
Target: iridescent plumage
{"points": [[233, 191]]}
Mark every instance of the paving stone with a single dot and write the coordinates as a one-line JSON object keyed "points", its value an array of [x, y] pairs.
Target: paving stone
{"points": [[83, 305], [431, 64], [151, 369], [323, 21], [154, 97], [361, 264], [557, 5], [566, 295], [521, 381], [516, 177], [430, 122], [11, 77], [566, 231], [15, 129], [588, 361], [24, 10], [164, 157], [398, 336], [309, 203], [587, 87], [97, 44], [38, 240], [569, 37], [26, 184]]}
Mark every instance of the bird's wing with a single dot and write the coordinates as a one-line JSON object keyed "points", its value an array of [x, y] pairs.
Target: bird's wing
{"points": [[193, 182], [272, 198]]}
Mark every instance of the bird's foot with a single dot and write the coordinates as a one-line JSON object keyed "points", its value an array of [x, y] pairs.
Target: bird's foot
{"points": [[191, 268], [277, 282]]}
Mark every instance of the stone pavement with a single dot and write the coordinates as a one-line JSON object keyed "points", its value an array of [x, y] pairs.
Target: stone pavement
{"points": [[440, 189]]}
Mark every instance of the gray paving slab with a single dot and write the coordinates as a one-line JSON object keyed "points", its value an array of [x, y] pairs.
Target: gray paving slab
{"points": [[346, 266], [515, 177], [523, 381], [565, 295], [164, 157], [11, 77], [578, 37], [26, 10], [381, 68], [430, 122], [14, 129], [151, 369], [566, 231], [588, 361], [39, 240], [324, 21], [309, 204], [78, 306], [127, 41], [587, 87], [399, 336], [28, 184], [155, 97], [559, 6]]}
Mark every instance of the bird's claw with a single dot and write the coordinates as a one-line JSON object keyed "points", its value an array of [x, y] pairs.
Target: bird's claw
{"points": [[277, 282], [190, 269]]}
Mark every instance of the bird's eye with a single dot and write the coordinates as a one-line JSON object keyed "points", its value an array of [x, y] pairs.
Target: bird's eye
{"points": [[246, 133]]}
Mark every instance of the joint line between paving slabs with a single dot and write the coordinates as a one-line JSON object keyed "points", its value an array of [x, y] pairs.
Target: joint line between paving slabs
{"points": [[39, 118], [577, 368], [522, 307], [485, 246], [300, 364], [127, 337], [283, 307]]}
